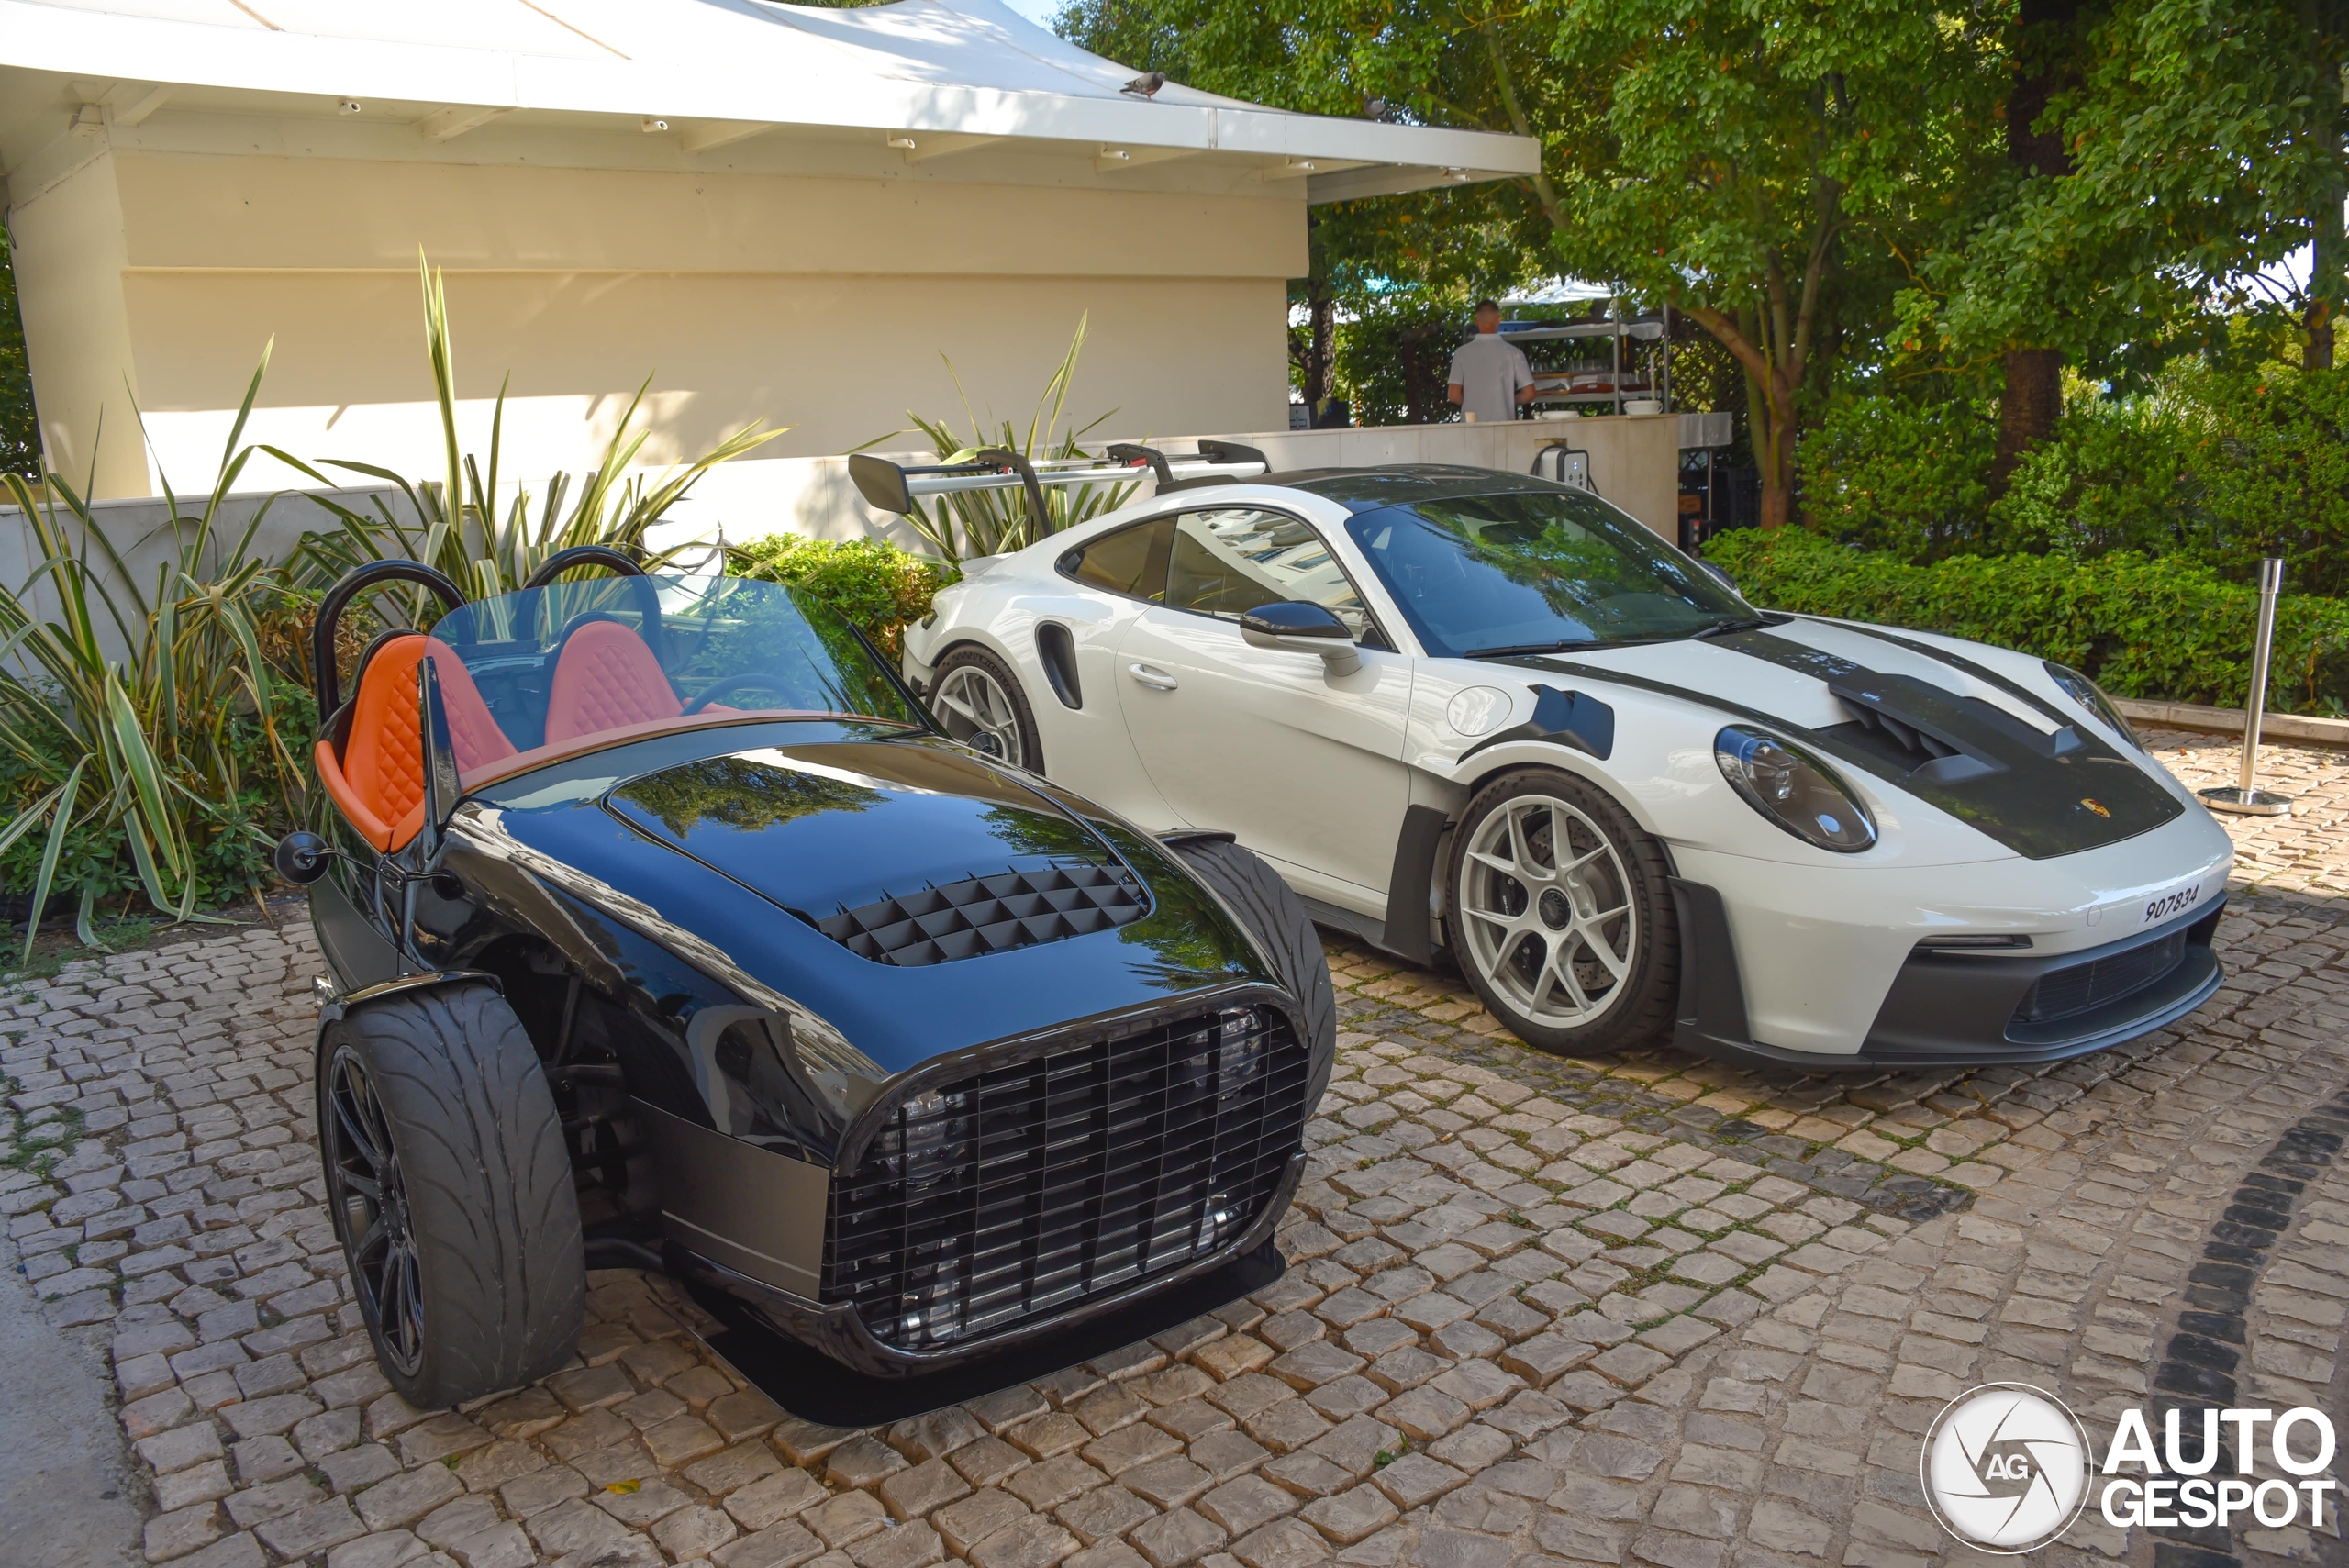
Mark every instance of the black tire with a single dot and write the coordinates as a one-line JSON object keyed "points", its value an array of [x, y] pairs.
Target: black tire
{"points": [[1260, 900], [1512, 968], [968, 671], [471, 1274]]}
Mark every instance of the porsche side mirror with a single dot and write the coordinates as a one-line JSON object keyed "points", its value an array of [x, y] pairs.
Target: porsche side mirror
{"points": [[1299, 627], [1726, 580], [301, 857]]}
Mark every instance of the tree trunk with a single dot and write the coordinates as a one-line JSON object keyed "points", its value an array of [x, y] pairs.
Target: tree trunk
{"points": [[1424, 383], [1774, 448], [2034, 397], [2329, 261], [1772, 344], [1321, 315], [2028, 408]]}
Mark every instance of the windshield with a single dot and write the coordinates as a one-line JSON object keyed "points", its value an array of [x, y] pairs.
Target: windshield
{"points": [[1536, 569], [573, 666]]}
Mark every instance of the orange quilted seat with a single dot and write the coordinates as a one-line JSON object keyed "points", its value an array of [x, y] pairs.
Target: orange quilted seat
{"points": [[379, 779], [606, 679]]}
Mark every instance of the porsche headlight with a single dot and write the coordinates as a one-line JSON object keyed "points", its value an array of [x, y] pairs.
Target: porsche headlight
{"points": [[1793, 791], [2090, 695]]}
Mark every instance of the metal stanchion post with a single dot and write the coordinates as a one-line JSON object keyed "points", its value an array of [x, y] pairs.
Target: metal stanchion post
{"points": [[2243, 797]]}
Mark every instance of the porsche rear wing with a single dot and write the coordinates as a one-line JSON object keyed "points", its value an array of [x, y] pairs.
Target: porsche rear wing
{"points": [[892, 488]]}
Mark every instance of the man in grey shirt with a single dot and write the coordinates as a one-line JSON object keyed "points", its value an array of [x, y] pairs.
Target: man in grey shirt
{"points": [[1490, 377]]}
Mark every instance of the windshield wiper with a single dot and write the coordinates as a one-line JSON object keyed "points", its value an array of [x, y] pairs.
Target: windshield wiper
{"points": [[1722, 628], [1529, 648]]}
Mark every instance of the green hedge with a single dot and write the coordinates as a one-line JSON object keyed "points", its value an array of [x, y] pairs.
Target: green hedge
{"points": [[873, 585], [2160, 628]]}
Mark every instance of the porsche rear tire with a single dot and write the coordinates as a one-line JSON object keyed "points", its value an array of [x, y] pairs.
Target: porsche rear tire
{"points": [[1560, 914], [1257, 896], [450, 1186], [975, 692]]}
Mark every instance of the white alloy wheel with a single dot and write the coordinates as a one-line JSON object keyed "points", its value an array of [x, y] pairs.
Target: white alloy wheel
{"points": [[970, 701], [1547, 913]]}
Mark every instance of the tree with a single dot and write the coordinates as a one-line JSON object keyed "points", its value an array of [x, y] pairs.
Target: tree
{"points": [[2208, 139], [2031, 398], [19, 433], [1444, 246], [1744, 162], [2183, 149]]}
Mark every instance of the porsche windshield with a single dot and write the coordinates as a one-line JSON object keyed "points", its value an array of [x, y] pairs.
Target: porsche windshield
{"points": [[1535, 571], [572, 666]]}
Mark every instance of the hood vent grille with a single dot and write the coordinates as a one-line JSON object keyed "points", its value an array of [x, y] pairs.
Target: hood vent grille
{"points": [[989, 913]]}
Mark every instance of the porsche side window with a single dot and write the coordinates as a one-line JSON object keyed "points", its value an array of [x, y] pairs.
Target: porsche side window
{"points": [[1229, 560], [1131, 561]]}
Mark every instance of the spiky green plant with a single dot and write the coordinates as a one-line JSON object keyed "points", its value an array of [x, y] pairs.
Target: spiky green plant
{"points": [[144, 749], [964, 523], [146, 742], [490, 542]]}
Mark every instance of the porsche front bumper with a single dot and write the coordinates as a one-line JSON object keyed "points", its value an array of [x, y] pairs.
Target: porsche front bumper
{"points": [[1957, 1009]]}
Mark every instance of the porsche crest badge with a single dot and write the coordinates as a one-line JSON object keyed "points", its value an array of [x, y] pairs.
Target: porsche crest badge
{"points": [[2096, 806]]}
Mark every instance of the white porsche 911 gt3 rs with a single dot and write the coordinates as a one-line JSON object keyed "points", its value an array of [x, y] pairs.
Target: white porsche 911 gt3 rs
{"points": [[1480, 713]]}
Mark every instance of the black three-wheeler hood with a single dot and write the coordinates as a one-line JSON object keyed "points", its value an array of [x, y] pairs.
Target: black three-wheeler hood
{"points": [[914, 897], [910, 854]]}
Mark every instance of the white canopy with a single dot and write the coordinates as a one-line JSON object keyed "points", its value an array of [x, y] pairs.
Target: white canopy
{"points": [[723, 70]]}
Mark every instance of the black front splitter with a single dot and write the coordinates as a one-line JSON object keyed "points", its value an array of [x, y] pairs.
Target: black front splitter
{"points": [[816, 1388]]}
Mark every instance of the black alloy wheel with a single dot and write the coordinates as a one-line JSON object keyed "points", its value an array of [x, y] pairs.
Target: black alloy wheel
{"points": [[367, 1193], [450, 1189]]}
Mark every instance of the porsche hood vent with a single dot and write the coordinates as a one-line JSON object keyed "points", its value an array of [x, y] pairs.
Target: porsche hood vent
{"points": [[988, 914]]}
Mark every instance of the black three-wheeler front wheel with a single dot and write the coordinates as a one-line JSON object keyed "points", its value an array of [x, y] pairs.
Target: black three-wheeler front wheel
{"points": [[451, 1191]]}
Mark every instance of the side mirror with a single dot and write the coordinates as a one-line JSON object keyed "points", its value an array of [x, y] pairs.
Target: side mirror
{"points": [[1727, 581], [301, 857], [1299, 627], [441, 790]]}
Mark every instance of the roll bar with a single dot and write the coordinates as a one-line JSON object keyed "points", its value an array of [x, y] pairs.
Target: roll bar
{"points": [[323, 680], [647, 596], [562, 561]]}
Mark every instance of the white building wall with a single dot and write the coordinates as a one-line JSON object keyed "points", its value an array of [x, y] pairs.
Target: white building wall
{"points": [[829, 304]]}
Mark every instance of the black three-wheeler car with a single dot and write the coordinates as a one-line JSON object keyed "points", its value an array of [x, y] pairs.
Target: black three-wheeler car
{"points": [[666, 927]]}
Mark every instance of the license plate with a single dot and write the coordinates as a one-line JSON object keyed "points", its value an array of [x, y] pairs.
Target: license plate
{"points": [[2167, 907]]}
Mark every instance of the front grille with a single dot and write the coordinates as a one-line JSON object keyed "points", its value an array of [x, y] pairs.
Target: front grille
{"points": [[1033, 1187], [2062, 992], [989, 913]]}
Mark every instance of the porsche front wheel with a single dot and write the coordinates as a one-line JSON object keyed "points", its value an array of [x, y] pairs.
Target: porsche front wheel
{"points": [[975, 693], [451, 1191], [1561, 915]]}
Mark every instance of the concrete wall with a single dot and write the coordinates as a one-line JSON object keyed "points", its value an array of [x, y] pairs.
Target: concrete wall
{"points": [[824, 303], [1634, 463]]}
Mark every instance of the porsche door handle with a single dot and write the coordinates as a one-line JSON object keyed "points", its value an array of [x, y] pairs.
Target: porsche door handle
{"points": [[1154, 677]]}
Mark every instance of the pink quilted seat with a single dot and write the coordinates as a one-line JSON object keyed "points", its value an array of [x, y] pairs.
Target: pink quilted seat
{"points": [[606, 679]]}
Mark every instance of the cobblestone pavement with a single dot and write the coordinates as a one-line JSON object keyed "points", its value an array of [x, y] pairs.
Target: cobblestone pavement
{"points": [[1631, 1311]]}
